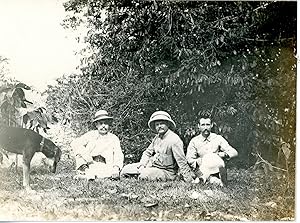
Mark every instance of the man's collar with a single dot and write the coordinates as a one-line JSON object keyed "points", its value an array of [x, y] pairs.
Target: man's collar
{"points": [[102, 136], [164, 135], [208, 138]]}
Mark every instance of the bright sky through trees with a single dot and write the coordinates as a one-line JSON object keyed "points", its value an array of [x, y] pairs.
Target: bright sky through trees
{"points": [[37, 46]]}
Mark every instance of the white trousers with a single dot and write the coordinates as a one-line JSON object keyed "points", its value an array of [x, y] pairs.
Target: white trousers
{"points": [[98, 170]]}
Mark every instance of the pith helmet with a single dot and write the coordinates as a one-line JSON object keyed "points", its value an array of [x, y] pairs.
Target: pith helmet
{"points": [[160, 115], [101, 115], [211, 164]]}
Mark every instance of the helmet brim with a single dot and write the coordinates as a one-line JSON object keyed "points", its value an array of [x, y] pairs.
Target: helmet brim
{"points": [[171, 123], [103, 118]]}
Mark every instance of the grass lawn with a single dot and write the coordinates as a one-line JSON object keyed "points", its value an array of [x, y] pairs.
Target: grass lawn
{"points": [[250, 195]]}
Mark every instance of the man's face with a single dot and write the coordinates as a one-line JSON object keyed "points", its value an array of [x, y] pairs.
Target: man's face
{"points": [[102, 126], [205, 126], [161, 127]]}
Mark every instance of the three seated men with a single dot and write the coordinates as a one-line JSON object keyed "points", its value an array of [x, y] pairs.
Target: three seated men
{"points": [[98, 153]]}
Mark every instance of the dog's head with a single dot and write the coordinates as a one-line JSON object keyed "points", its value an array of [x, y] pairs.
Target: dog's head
{"points": [[53, 152]]}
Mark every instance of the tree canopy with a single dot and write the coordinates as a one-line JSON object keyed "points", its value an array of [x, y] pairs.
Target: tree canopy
{"points": [[233, 60]]}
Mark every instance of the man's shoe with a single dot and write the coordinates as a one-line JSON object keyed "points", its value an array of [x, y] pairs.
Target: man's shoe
{"points": [[215, 181]]}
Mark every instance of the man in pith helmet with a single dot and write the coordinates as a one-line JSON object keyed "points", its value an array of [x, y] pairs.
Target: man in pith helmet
{"points": [[98, 152], [164, 156]]}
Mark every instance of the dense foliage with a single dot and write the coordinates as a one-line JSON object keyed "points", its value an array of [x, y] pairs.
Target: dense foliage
{"points": [[13, 99], [233, 60]]}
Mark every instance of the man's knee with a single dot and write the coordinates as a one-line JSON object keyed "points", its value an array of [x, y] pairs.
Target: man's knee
{"points": [[155, 174], [151, 176]]}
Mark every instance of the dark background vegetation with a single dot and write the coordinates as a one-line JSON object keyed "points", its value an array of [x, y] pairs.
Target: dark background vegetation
{"points": [[233, 60]]}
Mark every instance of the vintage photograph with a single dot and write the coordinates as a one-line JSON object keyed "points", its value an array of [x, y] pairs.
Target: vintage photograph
{"points": [[148, 110]]}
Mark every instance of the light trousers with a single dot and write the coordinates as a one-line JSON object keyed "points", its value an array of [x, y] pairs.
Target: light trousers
{"points": [[147, 173]]}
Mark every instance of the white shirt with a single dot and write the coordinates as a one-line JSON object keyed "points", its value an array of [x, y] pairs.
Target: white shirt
{"points": [[93, 144], [199, 146]]}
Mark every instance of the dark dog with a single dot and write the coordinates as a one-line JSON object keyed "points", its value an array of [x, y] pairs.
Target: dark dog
{"points": [[27, 142]]}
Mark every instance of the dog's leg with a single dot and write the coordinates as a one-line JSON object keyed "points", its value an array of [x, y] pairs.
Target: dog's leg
{"points": [[1, 158], [16, 163], [27, 156]]}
